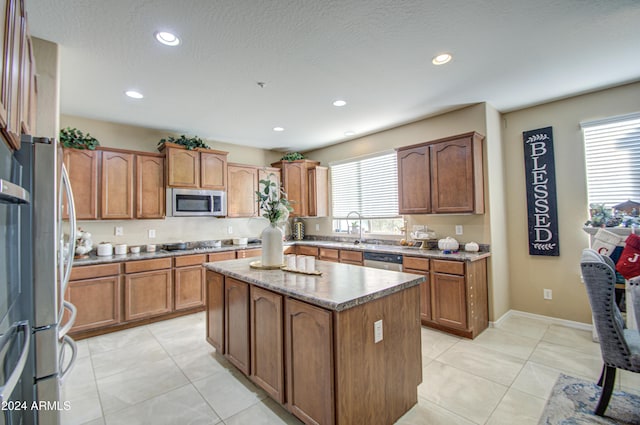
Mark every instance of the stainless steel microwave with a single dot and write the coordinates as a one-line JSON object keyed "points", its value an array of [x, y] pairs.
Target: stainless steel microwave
{"points": [[196, 203]]}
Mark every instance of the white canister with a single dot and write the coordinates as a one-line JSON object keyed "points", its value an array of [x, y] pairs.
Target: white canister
{"points": [[151, 248], [301, 263], [471, 247], [310, 263], [121, 249], [291, 261], [104, 249]]}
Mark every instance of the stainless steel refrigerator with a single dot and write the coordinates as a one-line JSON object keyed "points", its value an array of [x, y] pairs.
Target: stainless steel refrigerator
{"points": [[36, 254]]}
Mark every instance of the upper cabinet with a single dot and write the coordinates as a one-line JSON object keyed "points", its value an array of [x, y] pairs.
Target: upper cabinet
{"points": [[82, 166], [442, 176], [306, 185], [117, 185], [17, 96], [198, 168], [243, 184], [150, 193]]}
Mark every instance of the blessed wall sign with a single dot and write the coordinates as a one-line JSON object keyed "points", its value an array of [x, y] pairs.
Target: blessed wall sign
{"points": [[542, 206]]}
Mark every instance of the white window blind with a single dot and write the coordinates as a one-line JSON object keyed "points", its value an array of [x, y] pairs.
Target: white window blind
{"points": [[368, 186], [612, 152]]}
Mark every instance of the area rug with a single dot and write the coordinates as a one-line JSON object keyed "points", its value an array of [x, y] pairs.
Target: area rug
{"points": [[573, 401]]}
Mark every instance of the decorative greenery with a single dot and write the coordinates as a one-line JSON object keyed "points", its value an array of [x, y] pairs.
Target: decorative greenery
{"points": [[73, 138], [188, 142], [273, 202], [602, 216], [292, 156]]}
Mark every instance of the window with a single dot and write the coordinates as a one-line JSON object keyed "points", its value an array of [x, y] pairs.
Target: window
{"points": [[369, 186], [612, 152]]}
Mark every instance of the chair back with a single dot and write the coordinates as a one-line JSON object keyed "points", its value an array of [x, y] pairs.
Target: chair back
{"points": [[599, 277]]}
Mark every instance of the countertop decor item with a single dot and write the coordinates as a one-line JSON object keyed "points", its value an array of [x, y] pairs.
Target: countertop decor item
{"points": [[104, 249], [448, 244], [258, 265], [471, 247], [272, 200], [84, 244], [240, 241]]}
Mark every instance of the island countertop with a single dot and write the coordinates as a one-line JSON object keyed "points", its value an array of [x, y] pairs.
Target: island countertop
{"points": [[340, 287]]}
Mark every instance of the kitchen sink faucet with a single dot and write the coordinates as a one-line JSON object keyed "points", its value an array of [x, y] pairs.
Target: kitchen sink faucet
{"points": [[357, 241]]}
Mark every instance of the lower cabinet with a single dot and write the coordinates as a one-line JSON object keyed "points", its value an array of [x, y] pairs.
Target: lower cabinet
{"points": [[97, 300], [188, 278], [329, 254], [236, 321], [309, 341], [449, 301], [215, 311], [148, 289], [351, 257], [267, 362], [420, 265], [251, 252]]}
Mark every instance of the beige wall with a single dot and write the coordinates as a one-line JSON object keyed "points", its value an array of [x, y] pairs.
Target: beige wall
{"points": [[528, 275], [48, 73], [171, 229]]}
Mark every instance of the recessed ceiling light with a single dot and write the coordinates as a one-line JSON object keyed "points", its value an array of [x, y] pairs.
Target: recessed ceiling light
{"points": [[339, 103], [167, 38], [278, 128], [134, 94], [349, 133], [441, 59]]}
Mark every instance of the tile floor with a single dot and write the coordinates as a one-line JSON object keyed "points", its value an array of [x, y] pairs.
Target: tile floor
{"points": [[166, 373]]}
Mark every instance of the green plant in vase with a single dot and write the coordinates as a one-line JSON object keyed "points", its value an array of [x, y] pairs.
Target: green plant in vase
{"points": [[74, 138], [275, 207]]}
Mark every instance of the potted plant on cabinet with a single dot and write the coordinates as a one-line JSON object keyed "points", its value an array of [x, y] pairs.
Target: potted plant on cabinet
{"points": [[75, 139], [190, 143]]}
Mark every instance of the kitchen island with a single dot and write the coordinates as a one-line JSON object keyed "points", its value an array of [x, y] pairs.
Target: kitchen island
{"points": [[340, 348]]}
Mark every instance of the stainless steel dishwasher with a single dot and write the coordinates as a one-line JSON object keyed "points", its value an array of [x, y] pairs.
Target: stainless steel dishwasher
{"points": [[380, 260]]}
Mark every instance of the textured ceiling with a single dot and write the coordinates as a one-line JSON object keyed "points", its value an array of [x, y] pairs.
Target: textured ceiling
{"points": [[375, 54]]}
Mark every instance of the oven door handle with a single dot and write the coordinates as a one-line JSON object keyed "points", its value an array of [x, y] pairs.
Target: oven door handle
{"points": [[12, 381], [74, 312], [74, 353]]}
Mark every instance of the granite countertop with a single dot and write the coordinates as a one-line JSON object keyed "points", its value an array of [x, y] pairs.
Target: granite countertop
{"points": [[390, 249], [340, 287]]}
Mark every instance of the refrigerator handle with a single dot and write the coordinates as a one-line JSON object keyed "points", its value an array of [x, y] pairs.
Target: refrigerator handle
{"points": [[10, 383], [74, 312], [72, 230], [74, 352]]}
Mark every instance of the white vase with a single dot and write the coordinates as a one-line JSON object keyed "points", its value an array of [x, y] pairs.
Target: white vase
{"points": [[272, 245]]}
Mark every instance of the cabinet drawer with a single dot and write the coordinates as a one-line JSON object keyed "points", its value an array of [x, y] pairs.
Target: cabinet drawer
{"points": [[448, 266], [191, 260], [246, 253], [147, 265], [90, 272], [307, 250], [416, 263], [350, 256], [329, 254], [221, 256]]}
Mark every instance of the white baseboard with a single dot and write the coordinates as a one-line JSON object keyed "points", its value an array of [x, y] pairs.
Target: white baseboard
{"points": [[551, 320]]}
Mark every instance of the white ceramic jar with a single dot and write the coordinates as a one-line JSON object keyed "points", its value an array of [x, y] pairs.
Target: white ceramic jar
{"points": [[471, 247], [448, 244], [104, 249]]}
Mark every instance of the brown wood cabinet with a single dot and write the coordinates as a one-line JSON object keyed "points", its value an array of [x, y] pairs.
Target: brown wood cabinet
{"points": [[267, 356], [307, 250], [83, 166], [309, 341], [15, 33], [442, 176], [5, 57], [329, 254], [150, 191], [215, 310], [28, 88], [236, 320], [117, 185], [148, 289], [420, 265], [295, 180], [95, 291], [189, 281], [221, 256], [351, 257], [241, 197], [198, 168], [251, 252]]}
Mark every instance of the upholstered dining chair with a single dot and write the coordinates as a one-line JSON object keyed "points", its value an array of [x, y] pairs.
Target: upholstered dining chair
{"points": [[620, 347]]}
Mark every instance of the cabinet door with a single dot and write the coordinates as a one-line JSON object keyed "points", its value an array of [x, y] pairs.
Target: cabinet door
{"points": [[425, 295], [271, 174], [307, 250], [183, 168], [449, 300], [267, 355], [150, 192], [82, 166], [117, 185], [147, 294], [329, 254], [5, 53], [15, 27], [213, 171], [351, 257], [97, 301], [294, 180], [28, 86], [189, 284], [236, 320], [241, 197], [247, 253], [318, 191], [309, 341], [215, 310], [414, 193], [452, 177]]}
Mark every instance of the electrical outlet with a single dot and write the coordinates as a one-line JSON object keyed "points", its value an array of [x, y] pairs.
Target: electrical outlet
{"points": [[458, 229], [547, 294], [377, 331], [317, 227], [118, 231], [230, 230], [152, 233]]}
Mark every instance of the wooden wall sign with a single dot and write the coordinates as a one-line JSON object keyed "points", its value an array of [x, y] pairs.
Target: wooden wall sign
{"points": [[542, 206]]}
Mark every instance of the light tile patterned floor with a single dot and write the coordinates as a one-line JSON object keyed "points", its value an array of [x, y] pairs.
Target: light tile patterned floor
{"points": [[165, 374]]}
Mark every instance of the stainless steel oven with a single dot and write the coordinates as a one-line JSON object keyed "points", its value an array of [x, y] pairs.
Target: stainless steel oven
{"points": [[196, 203]]}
